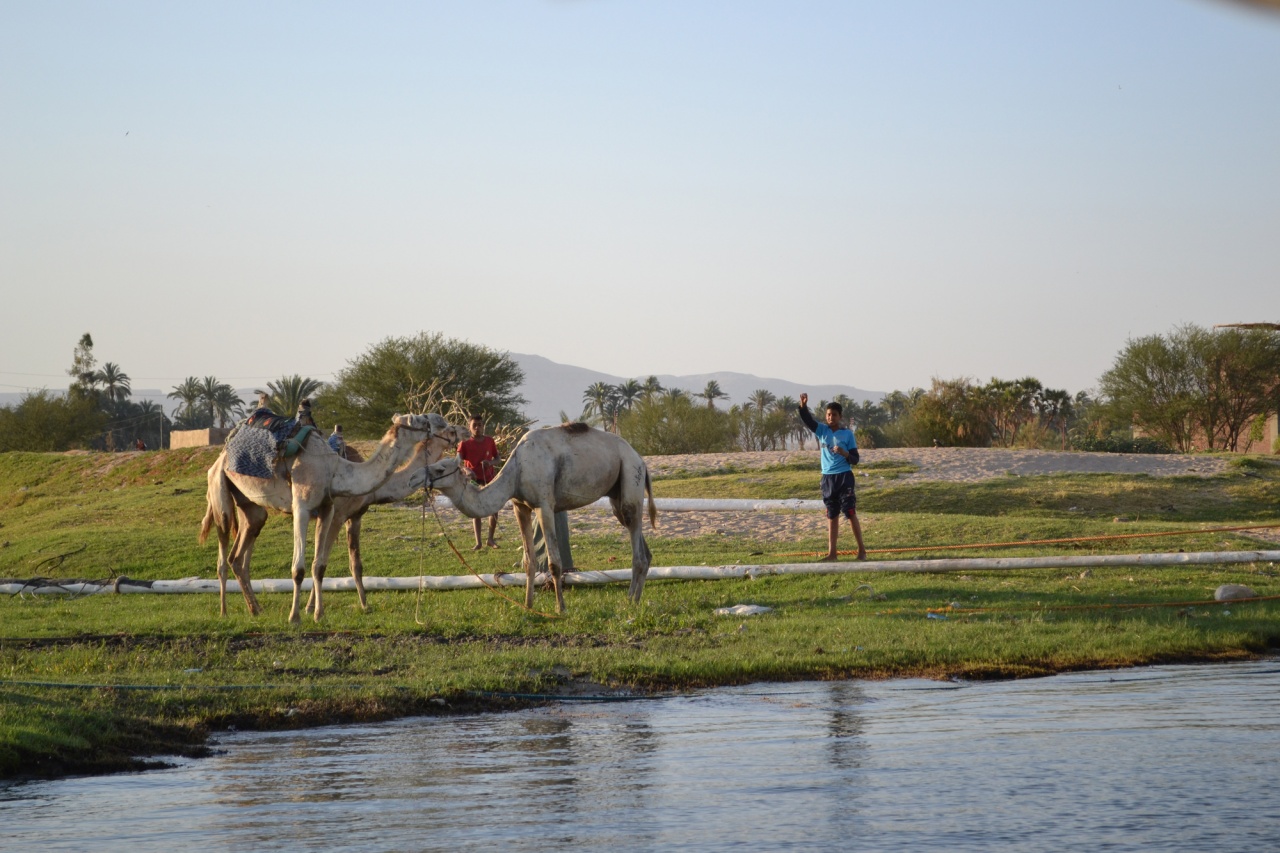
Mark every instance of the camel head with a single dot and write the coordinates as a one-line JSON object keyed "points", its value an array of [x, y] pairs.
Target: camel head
{"points": [[453, 433], [427, 423], [435, 427], [444, 475]]}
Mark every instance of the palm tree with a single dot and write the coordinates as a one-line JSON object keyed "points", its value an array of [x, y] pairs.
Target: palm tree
{"points": [[288, 392], [114, 381], [712, 393], [209, 395], [762, 399], [651, 387], [597, 398], [1055, 407], [629, 392], [190, 393], [227, 404], [786, 407]]}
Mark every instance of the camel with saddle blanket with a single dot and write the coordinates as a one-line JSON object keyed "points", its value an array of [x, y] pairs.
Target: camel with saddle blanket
{"points": [[274, 463]]}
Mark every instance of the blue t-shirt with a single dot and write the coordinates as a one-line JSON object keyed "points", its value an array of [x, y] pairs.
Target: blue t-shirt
{"points": [[832, 462]]}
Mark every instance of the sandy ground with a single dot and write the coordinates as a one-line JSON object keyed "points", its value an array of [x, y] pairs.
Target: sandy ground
{"points": [[957, 464]]}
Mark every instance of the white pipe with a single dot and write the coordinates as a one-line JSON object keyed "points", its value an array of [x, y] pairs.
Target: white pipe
{"points": [[701, 504], [446, 582]]}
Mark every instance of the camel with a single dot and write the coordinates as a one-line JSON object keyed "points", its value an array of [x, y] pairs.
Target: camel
{"points": [[555, 469], [304, 486], [406, 480]]}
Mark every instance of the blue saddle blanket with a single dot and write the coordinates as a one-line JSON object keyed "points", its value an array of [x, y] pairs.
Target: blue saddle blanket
{"points": [[253, 452]]}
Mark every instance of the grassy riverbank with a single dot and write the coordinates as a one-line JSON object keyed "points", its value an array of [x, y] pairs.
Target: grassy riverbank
{"points": [[93, 683]]}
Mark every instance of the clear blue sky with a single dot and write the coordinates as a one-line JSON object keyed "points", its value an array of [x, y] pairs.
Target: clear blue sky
{"points": [[870, 194]]}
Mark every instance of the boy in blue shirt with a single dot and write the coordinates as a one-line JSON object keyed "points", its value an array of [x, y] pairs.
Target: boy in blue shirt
{"points": [[839, 453]]}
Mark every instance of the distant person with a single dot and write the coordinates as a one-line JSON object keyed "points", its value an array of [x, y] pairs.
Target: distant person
{"points": [[478, 454], [139, 445], [304, 414], [839, 455], [337, 441]]}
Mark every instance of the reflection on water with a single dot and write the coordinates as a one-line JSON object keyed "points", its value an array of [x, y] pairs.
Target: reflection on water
{"points": [[1167, 758]]}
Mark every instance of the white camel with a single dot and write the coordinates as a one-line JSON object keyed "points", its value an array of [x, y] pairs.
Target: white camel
{"points": [[303, 486], [350, 511], [556, 469]]}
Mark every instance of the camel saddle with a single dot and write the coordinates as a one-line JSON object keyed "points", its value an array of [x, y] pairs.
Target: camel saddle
{"points": [[268, 439]]}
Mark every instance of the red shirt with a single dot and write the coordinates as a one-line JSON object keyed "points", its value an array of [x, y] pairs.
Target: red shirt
{"points": [[476, 454]]}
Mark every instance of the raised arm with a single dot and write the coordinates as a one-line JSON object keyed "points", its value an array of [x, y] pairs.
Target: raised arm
{"points": [[805, 415]]}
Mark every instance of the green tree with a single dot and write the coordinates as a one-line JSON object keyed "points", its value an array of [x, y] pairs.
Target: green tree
{"points": [[713, 392], [82, 370], [1010, 405], [114, 381], [952, 412], [669, 423], [189, 393], [1055, 408], [403, 374], [1150, 385], [598, 403], [46, 422], [227, 404], [762, 399], [629, 392], [286, 394], [651, 387], [1236, 375]]}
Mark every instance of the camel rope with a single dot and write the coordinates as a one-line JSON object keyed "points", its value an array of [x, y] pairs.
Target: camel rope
{"points": [[449, 541]]}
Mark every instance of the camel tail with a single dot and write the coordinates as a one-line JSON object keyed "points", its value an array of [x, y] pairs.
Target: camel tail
{"points": [[210, 520], [653, 507], [205, 525], [219, 510]]}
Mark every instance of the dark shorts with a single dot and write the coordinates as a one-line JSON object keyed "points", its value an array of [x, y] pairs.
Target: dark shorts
{"points": [[837, 494]]}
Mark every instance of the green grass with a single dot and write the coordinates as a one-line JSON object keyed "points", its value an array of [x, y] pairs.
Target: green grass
{"points": [[93, 683]]}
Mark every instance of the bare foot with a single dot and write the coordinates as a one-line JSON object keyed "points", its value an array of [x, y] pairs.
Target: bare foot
{"points": [[475, 547], [830, 558], [862, 554], [492, 544]]}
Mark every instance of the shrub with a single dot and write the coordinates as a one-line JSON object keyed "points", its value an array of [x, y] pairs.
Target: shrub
{"points": [[1114, 444]]}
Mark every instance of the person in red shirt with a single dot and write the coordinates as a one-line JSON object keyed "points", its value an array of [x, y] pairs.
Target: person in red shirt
{"points": [[478, 455]]}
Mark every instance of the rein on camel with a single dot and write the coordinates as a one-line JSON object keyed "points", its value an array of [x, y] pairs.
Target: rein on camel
{"points": [[427, 499]]}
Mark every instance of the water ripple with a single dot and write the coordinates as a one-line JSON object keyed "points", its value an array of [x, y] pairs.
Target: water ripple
{"points": [[1169, 758]]}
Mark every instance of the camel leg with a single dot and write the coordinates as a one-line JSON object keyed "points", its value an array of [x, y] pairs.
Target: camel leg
{"points": [[252, 520], [326, 534], [629, 510], [324, 546], [641, 557], [301, 520], [547, 520], [224, 564], [353, 557], [524, 520]]}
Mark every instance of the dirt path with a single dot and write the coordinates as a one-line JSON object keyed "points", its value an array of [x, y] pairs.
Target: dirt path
{"points": [[957, 464]]}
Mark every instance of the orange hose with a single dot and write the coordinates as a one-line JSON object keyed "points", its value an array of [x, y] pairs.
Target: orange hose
{"points": [[1103, 606]]}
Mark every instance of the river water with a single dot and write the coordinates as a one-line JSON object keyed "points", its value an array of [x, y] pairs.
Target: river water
{"points": [[1160, 758]]}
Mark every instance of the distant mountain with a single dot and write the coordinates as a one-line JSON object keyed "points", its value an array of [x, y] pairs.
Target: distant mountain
{"points": [[551, 387]]}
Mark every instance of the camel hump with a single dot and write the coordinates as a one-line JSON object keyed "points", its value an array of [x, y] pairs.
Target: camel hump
{"points": [[576, 428]]}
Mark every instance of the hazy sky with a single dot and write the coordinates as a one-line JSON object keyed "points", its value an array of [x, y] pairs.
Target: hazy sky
{"points": [[862, 193]]}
